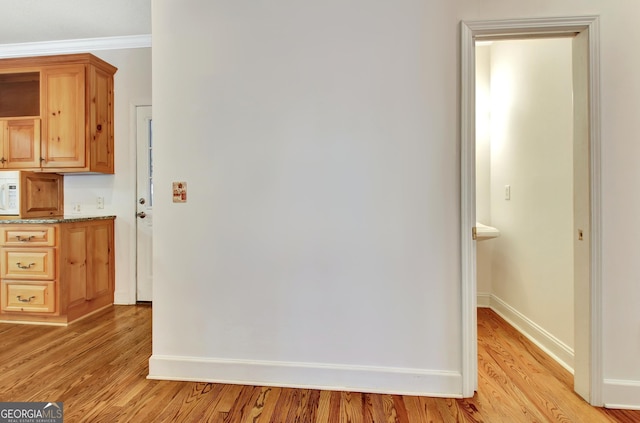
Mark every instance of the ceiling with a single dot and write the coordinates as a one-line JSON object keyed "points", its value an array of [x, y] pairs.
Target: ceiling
{"points": [[28, 21]]}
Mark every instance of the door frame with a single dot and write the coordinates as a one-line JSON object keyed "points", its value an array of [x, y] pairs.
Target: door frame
{"points": [[505, 29]]}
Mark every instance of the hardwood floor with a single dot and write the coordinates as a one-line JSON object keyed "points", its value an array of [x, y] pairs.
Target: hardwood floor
{"points": [[98, 368]]}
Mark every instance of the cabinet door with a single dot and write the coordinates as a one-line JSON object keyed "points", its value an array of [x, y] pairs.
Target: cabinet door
{"points": [[42, 194], [63, 140], [21, 146], [100, 265], [74, 264], [87, 266], [101, 121]]}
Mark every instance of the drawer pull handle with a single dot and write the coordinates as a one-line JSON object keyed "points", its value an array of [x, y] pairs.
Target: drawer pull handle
{"points": [[26, 300], [28, 266], [27, 239]]}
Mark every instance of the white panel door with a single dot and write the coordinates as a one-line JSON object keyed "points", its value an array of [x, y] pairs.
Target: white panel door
{"points": [[144, 204]]}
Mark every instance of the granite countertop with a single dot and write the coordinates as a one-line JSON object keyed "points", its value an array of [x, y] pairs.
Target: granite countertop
{"points": [[52, 219]]}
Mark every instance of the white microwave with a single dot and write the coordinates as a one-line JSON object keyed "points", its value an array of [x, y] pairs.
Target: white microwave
{"points": [[9, 193]]}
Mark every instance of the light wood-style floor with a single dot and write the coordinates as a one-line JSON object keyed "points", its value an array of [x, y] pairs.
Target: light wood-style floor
{"points": [[98, 368]]}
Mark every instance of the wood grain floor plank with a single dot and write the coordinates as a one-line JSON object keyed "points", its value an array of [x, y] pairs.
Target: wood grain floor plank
{"points": [[328, 407], [243, 404], [285, 401], [311, 409], [415, 411], [98, 368], [263, 406], [373, 410], [351, 407]]}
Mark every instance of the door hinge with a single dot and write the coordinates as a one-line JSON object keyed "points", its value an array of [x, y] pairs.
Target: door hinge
{"points": [[474, 233]]}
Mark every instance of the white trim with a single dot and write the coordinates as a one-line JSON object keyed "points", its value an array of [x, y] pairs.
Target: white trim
{"points": [[401, 381], [123, 298], [551, 345], [623, 394], [74, 46], [595, 152], [503, 29], [470, 31], [483, 300], [468, 213]]}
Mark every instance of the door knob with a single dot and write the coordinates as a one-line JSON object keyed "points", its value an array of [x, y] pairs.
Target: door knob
{"points": [[141, 215], [142, 201]]}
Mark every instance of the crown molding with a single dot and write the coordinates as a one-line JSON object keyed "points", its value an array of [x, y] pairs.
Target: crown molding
{"points": [[43, 48]]}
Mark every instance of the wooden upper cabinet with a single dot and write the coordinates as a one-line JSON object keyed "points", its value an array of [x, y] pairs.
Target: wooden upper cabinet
{"points": [[20, 144], [63, 144], [42, 194], [101, 120], [72, 120]]}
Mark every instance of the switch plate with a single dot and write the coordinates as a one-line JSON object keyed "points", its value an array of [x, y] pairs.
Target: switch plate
{"points": [[507, 192], [179, 192]]}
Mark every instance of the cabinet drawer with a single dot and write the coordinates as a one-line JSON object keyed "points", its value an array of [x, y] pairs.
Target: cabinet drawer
{"points": [[27, 263], [28, 235], [37, 297]]}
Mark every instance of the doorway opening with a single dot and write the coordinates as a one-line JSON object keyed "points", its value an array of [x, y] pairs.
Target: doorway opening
{"points": [[524, 187], [586, 182]]}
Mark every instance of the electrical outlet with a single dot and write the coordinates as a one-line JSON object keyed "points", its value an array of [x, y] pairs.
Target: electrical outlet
{"points": [[76, 207], [100, 203]]}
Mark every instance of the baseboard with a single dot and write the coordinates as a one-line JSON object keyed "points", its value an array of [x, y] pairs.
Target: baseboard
{"points": [[484, 299], [624, 394], [551, 345], [308, 376], [123, 298]]}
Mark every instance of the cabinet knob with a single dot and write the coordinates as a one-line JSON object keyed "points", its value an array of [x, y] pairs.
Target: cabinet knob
{"points": [[3, 160]]}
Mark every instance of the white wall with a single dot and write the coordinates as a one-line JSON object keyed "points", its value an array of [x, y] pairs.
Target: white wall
{"points": [[318, 246], [484, 250], [320, 143], [531, 119], [132, 86]]}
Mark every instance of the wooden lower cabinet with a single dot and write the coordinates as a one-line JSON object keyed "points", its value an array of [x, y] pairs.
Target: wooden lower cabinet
{"points": [[56, 273]]}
